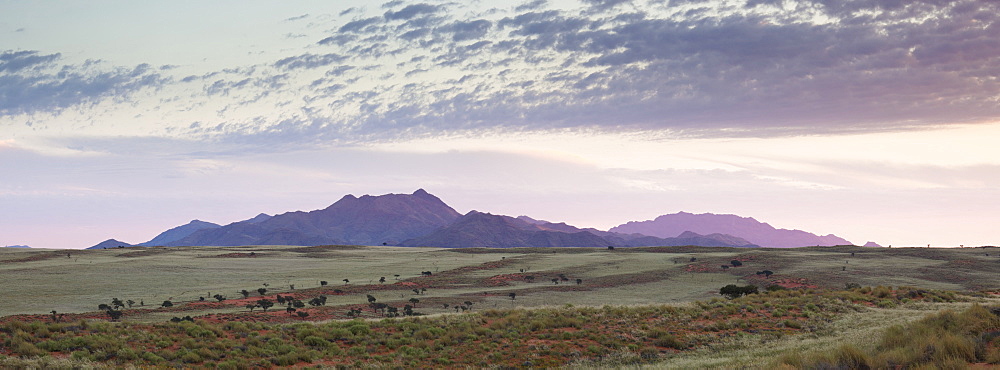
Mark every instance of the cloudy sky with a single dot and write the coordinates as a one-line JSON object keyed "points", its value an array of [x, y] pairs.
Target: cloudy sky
{"points": [[869, 119]]}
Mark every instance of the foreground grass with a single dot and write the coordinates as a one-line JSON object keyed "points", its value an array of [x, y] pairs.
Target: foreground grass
{"points": [[579, 336]]}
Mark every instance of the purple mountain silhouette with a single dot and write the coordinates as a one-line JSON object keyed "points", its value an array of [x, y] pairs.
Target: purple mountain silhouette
{"points": [[756, 232], [111, 243], [368, 220], [478, 229]]}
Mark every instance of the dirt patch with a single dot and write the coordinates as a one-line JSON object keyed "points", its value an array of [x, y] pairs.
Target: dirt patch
{"points": [[145, 252], [238, 255], [36, 257]]}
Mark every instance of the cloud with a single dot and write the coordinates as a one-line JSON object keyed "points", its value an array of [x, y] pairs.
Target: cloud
{"points": [[31, 82], [411, 11], [358, 25], [14, 61], [705, 69], [309, 61]]}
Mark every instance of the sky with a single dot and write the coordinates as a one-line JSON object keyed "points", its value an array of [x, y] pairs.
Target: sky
{"points": [[875, 120]]}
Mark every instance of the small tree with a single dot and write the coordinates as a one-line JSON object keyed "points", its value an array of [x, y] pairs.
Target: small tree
{"points": [[512, 295], [303, 314], [381, 280], [219, 297], [322, 283], [250, 306], [371, 299], [167, 303], [265, 304], [245, 293], [130, 303], [736, 263], [579, 281], [114, 314], [732, 291], [262, 291], [414, 301]]}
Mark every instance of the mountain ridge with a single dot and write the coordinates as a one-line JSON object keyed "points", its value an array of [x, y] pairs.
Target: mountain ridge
{"points": [[756, 232], [422, 219]]}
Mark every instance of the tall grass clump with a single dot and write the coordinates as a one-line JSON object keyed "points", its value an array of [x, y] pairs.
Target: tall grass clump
{"points": [[945, 340]]}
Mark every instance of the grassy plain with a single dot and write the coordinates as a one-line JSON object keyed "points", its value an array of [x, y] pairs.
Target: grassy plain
{"points": [[74, 283]]}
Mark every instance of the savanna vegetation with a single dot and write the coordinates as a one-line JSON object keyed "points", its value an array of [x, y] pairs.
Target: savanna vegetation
{"points": [[661, 307]]}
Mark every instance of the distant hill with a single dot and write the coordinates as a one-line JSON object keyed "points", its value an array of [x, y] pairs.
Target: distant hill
{"points": [[478, 229], [17, 246], [180, 232], [872, 244], [111, 243], [756, 232], [368, 220]]}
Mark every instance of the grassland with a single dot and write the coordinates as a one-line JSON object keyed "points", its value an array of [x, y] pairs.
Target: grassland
{"points": [[627, 306]]}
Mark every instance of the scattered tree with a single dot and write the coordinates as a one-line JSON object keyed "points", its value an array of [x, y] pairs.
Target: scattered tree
{"points": [[346, 281], [245, 293], [381, 280], [736, 263], [725, 267], [322, 283], [302, 314], [167, 303], [262, 291], [371, 299], [732, 291], [512, 295], [611, 248], [265, 304], [217, 297], [579, 281], [250, 306], [692, 259], [414, 301]]}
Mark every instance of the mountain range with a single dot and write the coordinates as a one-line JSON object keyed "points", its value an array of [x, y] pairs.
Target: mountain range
{"points": [[422, 219], [745, 227]]}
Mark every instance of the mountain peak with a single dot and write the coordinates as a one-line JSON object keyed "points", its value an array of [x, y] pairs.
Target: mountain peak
{"points": [[111, 243]]}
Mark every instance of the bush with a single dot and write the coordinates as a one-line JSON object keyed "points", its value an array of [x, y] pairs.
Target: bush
{"points": [[732, 291]]}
